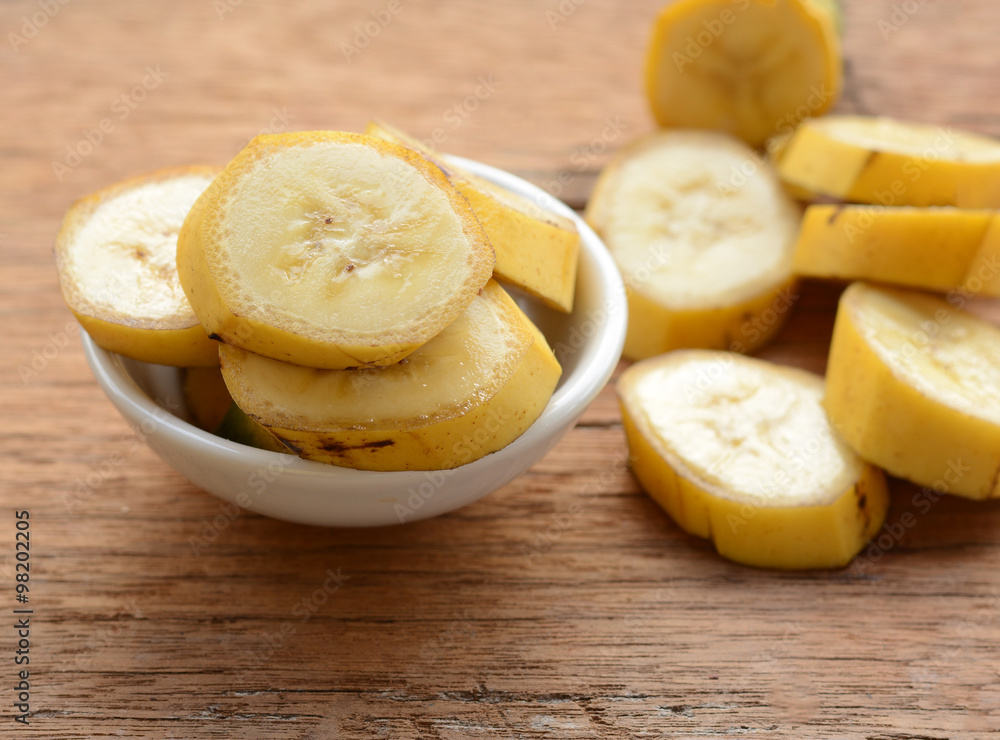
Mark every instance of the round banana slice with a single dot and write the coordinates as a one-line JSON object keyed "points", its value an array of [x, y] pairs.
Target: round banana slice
{"points": [[939, 249], [914, 386], [751, 68], [892, 163], [331, 250], [116, 256], [471, 390], [740, 451], [703, 234], [537, 250]]}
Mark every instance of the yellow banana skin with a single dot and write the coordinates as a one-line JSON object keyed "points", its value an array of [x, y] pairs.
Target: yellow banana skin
{"points": [[892, 163], [939, 249], [811, 535], [919, 428]]}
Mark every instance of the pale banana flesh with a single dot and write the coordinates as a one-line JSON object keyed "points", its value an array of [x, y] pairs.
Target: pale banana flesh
{"points": [[703, 234], [750, 68], [740, 451], [537, 250], [913, 384], [892, 163], [117, 269], [331, 250], [940, 249], [471, 390]]}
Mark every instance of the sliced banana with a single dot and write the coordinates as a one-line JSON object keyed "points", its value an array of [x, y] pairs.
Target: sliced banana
{"points": [[537, 250], [205, 396], [914, 386], [940, 249], [703, 234], [740, 451], [331, 250], [893, 163], [116, 254], [237, 427], [750, 68], [471, 390]]}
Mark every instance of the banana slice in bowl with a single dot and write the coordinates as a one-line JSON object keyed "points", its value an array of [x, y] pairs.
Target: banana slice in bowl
{"points": [[587, 342], [115, 254], [471, 390], [331, 250]]}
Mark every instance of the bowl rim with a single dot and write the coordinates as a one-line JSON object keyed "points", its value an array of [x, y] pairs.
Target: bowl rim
{"points": [[569, 401]]}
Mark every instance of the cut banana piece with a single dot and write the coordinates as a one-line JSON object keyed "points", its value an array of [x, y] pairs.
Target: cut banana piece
{"points": [[740, 451], [117, 269], [537, 250], [750, 68], [939, 249], [471, 390], [892, 163], [914, 386], [703, 234], [331, 250], [205, 395], [240, 428]]}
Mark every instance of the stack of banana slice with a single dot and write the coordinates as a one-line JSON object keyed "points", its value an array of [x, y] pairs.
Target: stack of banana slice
{"points": [[777, 467], [344, 281]]}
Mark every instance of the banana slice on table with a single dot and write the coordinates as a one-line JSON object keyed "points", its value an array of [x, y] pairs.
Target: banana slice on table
{"points": [[751, 68], [703, 234], [914, 386], [331, 250], [740, 451], [115, 255], [939, 249], [892, 163], [471, 390], [537, 250]]}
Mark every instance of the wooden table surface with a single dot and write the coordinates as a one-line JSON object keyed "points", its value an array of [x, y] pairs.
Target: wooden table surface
{"points": [[565, 605]]}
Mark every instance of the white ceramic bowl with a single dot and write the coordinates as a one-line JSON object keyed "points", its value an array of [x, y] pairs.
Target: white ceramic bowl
{"points": [[587, 342]]}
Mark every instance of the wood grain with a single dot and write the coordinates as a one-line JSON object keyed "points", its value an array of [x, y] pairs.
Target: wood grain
{"points": [[563, 606]]}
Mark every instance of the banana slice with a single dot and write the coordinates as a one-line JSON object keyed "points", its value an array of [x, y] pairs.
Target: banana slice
{"points": [[537, 250], [740, 451], [703, 234], [471, 390], [892, 163], [751, 68], [205, 395], [116, 253], [914, 386], [331, 250], [934, 248], [240, 428]]}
